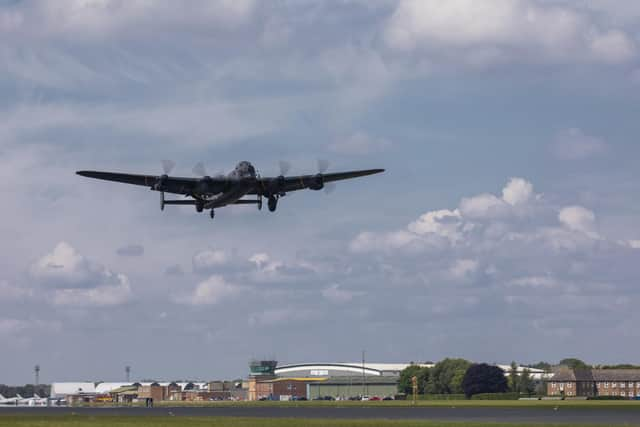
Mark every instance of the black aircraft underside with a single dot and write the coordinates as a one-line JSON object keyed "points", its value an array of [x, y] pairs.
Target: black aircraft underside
{"points": [[209, 193]]}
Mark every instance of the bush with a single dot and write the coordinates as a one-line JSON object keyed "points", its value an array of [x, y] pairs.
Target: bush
{"points": [[608, 398], [441, 397], [496, 396]]}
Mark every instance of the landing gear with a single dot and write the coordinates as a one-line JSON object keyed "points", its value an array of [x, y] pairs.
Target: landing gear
{"points": [[272, 203], [199, 206], [259, 202], [212, 214]]}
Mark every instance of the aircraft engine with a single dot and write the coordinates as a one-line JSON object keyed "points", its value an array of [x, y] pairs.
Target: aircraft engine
{"points": [[317, 182], [160, 183], [277, 185], [204, 184]]}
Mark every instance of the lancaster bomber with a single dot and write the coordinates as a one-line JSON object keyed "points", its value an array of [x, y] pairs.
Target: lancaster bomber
{"points": [[211, 192]]}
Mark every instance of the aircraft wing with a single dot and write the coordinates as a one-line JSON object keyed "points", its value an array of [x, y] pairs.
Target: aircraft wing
{"points": [[301, 182], [169, 184]]}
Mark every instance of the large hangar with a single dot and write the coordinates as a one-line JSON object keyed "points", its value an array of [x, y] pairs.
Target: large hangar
{"points": [[341, 369]]}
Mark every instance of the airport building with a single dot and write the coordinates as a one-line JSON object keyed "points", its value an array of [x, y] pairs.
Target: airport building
{"points": [[567, 382], [268, 380]]}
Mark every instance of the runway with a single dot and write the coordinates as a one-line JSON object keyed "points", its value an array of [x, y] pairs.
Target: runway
{"points": [[621, 416]]}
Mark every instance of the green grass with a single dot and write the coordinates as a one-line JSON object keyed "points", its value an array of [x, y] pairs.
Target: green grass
{"points": [[115, 421]]}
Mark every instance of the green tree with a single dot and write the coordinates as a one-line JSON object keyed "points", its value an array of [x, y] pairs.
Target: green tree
{"points": [[423, 378], [446, 376], [526, 383], [483, 378], [574, 363], [404, 383], [514, 379]]}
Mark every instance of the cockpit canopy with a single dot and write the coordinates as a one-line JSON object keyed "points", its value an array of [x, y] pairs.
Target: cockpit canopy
{"points": [[245, 169]]}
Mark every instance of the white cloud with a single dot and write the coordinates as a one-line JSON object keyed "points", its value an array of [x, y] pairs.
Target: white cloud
{"points": [[534, 282], [482, 205], [280, 316], [210, 260], [211, 291], [337, 295], [574, 144], [505, 30], [64, 267], [97, 19], [74, 280], [360, 143], [463, 268], [517, 191], [444, 223], [116, 292], [11, 292], [580, 219], [613, 46]]}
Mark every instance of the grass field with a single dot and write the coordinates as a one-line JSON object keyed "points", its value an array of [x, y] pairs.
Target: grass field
{"points": [[104, 421], [628, 404]]}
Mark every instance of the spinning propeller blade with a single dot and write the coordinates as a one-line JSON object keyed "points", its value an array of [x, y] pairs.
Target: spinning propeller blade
{"points": [[167, 166], [284, 167]]}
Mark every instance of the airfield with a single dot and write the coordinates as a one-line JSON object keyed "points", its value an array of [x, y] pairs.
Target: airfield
{"points": [[449, 414]]}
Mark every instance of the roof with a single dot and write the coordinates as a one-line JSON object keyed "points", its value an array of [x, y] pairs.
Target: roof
{"points": [[569, 375], [104, 388], [63, 389], [616, 374], [128, 389], [358, 368]]}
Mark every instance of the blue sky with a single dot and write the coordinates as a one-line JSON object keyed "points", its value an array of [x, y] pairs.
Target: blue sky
{"points": [[505, 227]]}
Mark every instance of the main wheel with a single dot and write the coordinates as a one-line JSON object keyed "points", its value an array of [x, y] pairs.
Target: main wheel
{"points": [[273, 203], [199, 206], [212, 213]]}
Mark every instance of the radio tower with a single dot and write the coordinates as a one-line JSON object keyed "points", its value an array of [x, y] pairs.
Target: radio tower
{"points": [[37, 371], [127, 371]]}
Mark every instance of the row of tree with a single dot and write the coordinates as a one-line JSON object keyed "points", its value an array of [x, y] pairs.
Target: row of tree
{"points": [[458, 376]]}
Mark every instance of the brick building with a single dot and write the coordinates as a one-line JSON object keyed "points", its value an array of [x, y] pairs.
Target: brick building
{"points": [[595, 382]]}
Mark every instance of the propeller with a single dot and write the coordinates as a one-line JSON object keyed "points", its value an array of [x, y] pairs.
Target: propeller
{"points": [[199, 169], [167, 166], [323, 165], [329, 187], [285, 167]]}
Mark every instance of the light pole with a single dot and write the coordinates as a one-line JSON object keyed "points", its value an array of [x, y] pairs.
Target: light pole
{"points": [[127, 371], [37, 371]]}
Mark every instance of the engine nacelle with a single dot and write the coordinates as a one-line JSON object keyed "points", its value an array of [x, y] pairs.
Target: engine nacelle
{"points": [[160, 183], [317, 182], [277, 185]]}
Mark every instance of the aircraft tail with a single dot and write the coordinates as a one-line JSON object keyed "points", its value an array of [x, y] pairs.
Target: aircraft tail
{"points": [[2, 397], [36, 396], [18, 396]]}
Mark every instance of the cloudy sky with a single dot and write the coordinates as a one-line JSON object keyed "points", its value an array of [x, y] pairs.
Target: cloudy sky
{"points": [[505, 228]]}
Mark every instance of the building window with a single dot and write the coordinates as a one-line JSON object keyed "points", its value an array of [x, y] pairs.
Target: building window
{"points": [[623, 385], [606, 385], [614, 385]]}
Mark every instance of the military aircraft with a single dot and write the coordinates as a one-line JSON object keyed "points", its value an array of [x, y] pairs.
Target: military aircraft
{"points": [[211, 192], [8, 400]]}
